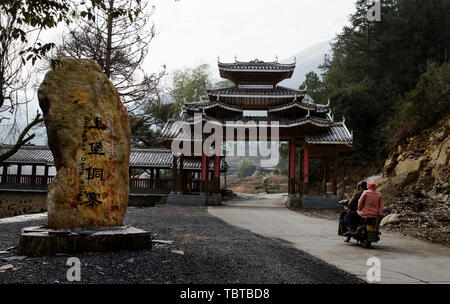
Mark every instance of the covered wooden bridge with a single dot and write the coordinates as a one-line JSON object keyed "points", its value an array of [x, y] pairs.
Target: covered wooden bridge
{"points": [[32, 168]]}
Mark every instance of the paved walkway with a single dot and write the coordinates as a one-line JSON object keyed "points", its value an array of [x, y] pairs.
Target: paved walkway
{"points": [[403, 259]]}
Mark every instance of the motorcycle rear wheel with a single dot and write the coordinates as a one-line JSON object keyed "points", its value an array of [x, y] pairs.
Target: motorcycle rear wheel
{"points": [[366, 243], [347, 238]]}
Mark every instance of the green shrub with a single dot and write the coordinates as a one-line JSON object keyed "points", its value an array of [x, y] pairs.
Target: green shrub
{"points": [[428, 102], [246, 167]]}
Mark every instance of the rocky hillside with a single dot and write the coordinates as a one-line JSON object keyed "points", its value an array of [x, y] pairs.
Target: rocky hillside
{"points": [[415, 185], [420, 165]]}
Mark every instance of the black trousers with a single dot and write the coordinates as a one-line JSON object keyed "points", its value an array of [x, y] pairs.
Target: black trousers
{"points": [[354, 219]]}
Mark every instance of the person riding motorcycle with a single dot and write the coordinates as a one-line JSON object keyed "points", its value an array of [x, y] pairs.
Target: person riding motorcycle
{"points": [[353, 218]]}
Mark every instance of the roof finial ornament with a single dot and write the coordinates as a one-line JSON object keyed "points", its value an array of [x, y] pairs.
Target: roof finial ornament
{"points": [[235, 58], [218, 59], [295, 97], [295, 59], [308, 115], [276, 58]]}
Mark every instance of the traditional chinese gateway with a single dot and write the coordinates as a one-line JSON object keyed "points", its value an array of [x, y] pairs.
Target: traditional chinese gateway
{"points": [[309, 128]]}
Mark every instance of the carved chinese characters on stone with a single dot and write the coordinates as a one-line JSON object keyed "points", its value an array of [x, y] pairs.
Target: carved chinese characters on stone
{"points": [[89, 134]]}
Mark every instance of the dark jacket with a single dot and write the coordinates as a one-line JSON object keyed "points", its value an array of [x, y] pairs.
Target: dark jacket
{"points": [[354, 201]]}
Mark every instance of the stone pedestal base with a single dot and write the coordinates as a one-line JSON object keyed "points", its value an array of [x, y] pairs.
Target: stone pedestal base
{"points": [[38, 241], [186, 200]]}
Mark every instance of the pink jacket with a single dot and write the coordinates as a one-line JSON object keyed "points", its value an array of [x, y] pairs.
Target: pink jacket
{"points": [[370, 204]]}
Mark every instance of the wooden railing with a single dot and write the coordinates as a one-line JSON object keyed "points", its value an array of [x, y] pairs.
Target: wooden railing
{"points": [[136, 184], [12, 179], [147, 183]]}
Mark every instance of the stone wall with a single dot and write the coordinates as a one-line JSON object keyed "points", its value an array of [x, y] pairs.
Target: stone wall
{"points": [[18, 202], [146, 200]]}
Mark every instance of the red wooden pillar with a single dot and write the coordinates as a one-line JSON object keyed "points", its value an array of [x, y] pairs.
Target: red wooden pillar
{"points": [[217, 171], [305, 170], [300, 172], [204, 170], [291, 168]]}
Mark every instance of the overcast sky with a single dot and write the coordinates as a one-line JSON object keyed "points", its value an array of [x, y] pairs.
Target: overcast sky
{"points": [[190, 32]]}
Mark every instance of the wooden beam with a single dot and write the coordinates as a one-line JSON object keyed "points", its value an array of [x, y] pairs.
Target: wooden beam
{"points": [[335, 172], [19, 173], [33, 174], [181, 177], [5, 173], [152, 178], [174, 174], [291, 168], [326, 176], [45, 181]]}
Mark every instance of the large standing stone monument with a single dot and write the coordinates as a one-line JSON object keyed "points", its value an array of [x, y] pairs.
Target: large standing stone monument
{"points": [[88, 133]]}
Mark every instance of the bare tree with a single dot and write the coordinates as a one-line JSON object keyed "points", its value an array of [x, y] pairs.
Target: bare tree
{"points": [[119, 44], [14, 80]]}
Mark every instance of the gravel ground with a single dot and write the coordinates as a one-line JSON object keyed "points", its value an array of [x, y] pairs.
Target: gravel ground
{"points": [[214, 252]]}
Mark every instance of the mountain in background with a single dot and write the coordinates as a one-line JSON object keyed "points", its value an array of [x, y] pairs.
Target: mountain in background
{"points": [[307, 60]]}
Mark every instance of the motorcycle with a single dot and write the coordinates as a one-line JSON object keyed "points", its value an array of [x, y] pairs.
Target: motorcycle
{"points": [[367, 232]]}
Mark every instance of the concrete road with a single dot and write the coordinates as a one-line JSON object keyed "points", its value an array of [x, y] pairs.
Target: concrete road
{"points": [[403, 259]]}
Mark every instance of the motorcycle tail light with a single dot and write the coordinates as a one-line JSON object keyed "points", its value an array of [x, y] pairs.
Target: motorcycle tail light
{"points": [[372, 221]]}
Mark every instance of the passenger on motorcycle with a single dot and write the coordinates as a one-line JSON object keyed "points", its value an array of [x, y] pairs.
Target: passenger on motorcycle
{"points": [[370, 203]]}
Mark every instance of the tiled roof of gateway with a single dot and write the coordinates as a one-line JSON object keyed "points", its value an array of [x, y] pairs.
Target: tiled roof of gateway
{"points": [[336, 134], [256, 66], [144, 158], [277, 92], [296, 103]]}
